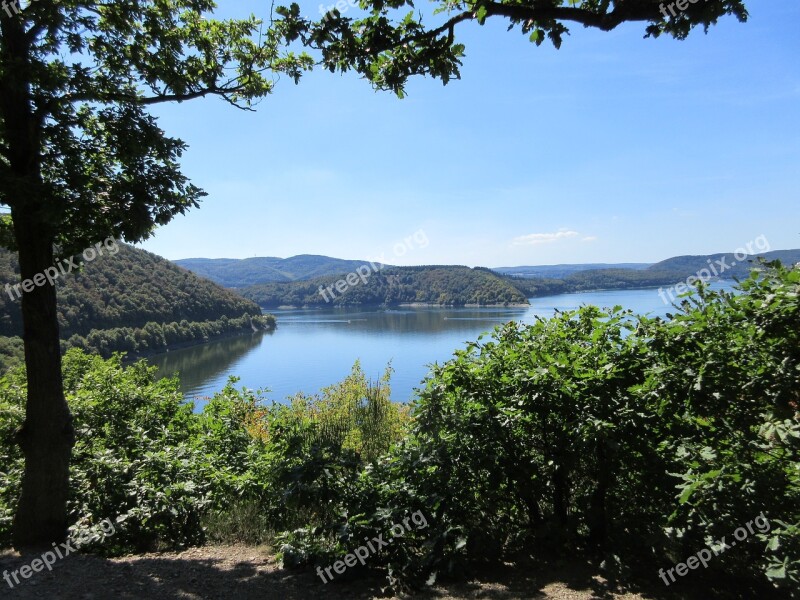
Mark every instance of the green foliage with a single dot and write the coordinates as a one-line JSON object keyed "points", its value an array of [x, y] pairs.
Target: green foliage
{"points": [[143, 459], [107, 166], [666, 273], [440, 285], [146, 461], [12, 352], [327, 443], [599, 279], [533, 438], [154, 337], [134, 459], [616, 434], [631, 440], [621, 279], [725, 379], [353, 415], [731, 265], [12, 414], [392, 42], [638, 441], [536, 287]]}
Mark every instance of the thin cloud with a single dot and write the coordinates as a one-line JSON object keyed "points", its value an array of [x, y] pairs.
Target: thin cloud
{"points": [[589, 238], [533, 239]]}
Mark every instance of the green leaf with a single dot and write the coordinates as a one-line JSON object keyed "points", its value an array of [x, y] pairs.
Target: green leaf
{"points": [[776, 572]]}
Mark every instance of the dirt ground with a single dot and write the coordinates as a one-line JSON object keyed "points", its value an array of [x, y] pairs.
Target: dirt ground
{"points": [[243, 573]]}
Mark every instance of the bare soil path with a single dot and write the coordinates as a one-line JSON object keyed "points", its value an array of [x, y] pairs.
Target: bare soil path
{"points": [[244, 573]]}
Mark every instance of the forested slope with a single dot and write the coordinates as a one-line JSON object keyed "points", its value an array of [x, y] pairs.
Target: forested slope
{"points": [[130, 300], [439, 285], [726, 264], [665, 273]]}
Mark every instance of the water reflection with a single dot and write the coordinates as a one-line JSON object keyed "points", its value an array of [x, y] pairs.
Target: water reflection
{"points": [[198, 364]]}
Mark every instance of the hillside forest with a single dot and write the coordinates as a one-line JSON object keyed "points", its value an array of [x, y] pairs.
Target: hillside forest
{"points": [[131, 301]]}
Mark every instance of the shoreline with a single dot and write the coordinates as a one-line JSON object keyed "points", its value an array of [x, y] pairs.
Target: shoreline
{"points": [[393, 306], [191, 343]]}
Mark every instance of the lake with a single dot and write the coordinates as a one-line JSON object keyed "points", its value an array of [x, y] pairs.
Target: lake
{"points": [[313, 348]]}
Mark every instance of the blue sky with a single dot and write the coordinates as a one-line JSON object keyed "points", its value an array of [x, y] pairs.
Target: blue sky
{"points": [[613, 149]]}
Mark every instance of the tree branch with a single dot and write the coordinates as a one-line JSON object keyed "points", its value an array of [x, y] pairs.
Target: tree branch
{"points": [[623, 11]]}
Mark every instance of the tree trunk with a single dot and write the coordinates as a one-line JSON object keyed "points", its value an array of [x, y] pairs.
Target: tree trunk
{"points": [[561, 492], [47, 436], [598, 508]]}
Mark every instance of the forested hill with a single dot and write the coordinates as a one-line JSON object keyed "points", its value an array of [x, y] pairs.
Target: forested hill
{"points": [[665, 273], [439, 285], [237, 273], [133, 301], [564, 270], [726, 264], [127, 289], [596, 279]]}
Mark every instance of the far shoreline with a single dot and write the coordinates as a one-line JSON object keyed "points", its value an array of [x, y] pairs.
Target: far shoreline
{"points": [[395, 306]]}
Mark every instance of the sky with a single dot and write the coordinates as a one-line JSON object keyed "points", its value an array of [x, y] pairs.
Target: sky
{"points": [[614, 148]]}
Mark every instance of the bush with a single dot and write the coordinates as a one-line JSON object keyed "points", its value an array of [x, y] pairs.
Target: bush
{"points": [[142, 459], [535, 439], [146, 461], [323, 447], [724, 377], [632, 439], [12, 400], [135, 459]]}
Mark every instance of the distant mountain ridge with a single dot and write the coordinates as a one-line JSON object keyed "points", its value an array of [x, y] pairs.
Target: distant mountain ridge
{"points": [[565, 270], [726, 264], [244, 272]]}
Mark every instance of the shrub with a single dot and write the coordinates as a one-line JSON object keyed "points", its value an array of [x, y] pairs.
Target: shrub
{"points": [[724, 376]]}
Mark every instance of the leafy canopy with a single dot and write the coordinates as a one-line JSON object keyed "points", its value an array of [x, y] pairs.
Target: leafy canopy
{"points": [[89, 70], [392, 42]]}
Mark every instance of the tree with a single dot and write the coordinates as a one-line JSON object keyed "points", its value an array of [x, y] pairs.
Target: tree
{"points": [[81, 159], [387, 52]]}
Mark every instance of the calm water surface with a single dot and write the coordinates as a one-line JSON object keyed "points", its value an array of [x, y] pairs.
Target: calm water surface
{"points": [[313, 348]]}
